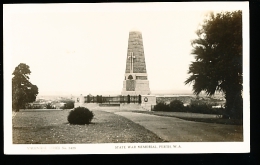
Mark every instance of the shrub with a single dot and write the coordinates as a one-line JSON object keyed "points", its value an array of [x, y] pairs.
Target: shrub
{"points": [[177, 106], [80, 115], [49, 106], [161, 107], [199, 107], [69, 103], [202, 107]]}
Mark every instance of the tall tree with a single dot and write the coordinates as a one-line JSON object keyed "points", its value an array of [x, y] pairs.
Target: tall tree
{"points": [[218, 60], [23, 91]]}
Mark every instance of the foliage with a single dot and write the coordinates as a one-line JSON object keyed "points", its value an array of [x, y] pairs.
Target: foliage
{"points": [[49, 106], [197, 106], [69, 103], [161, 107], [23, 91], [176, 106], [218, 55], [80, 115]]}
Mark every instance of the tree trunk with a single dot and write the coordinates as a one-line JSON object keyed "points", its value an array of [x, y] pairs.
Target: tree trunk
{"points": [[234, 104]]}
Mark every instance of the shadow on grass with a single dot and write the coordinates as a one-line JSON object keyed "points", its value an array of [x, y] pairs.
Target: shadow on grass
{"points": [[91, 123], [215, 121]]}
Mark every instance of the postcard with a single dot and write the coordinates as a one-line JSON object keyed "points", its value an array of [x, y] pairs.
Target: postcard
{"points": [[115, 78]]}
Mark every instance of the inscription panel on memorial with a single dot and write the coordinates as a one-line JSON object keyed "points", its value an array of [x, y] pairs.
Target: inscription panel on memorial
{"points": [[130, 85], [141, 77]]}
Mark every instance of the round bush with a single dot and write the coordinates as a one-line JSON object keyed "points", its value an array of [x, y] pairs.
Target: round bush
{"points": [[80, 115]]}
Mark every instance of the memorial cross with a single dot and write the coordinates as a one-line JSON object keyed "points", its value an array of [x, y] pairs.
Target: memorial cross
{"points": [[131, 56]]}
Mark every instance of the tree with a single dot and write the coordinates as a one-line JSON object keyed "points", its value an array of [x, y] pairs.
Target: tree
{"points": [[23, 91], [218, 60]]}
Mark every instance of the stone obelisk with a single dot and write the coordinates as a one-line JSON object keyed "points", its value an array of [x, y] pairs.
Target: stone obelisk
{"points": [[136, 80]]}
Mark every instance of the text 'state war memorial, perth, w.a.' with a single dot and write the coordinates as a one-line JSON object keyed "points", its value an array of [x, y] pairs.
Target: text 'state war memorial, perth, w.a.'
{"points": [[136, 80]]}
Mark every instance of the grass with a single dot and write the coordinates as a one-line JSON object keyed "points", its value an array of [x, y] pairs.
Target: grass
{"points": [[195, 117], [52, 127]]}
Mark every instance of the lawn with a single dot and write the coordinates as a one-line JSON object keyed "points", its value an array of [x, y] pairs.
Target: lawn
{"points": [[206, 118], [52, 127]]}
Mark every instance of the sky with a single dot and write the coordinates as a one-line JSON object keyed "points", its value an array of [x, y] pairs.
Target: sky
{"points": [[82, 48]]}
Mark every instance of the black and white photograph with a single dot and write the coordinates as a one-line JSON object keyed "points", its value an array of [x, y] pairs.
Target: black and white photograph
{"points": [[115, 78]]}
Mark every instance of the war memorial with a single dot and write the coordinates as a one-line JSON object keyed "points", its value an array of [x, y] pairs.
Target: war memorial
{"points": [[136, 93]]}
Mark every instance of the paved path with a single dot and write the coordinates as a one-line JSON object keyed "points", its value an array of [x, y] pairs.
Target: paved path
{"points": [[177, 130]]}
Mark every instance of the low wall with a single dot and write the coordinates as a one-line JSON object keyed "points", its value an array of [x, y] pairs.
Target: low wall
{"points": [[140, 107], [148, 101], [147, 107]]}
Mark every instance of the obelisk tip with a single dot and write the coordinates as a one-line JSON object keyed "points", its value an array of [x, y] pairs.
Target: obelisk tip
{"points": [[134, 30]]}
